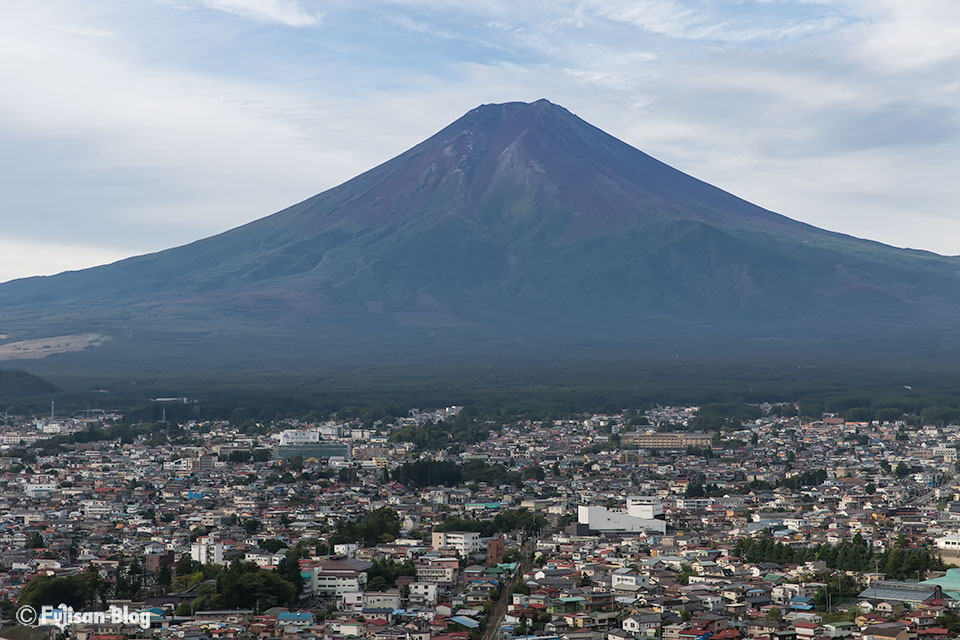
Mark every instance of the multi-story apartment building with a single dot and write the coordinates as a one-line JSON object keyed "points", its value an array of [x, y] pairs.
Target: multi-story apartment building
{"points": [[667, 440], [465, 542]]}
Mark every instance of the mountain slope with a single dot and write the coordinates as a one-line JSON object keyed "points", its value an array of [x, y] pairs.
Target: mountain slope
{"points": [[19, 384], [518, 223]]}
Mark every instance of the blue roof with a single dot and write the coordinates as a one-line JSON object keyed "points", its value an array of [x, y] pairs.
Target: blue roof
{"points": [[295, 616], [469, 623]]}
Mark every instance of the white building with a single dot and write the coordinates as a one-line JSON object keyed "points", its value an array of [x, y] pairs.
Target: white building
{"points": [[437, 573], [694, 504], [39, 488], [293, 437], [423, 593], [331, 431], [648, 507], [100, 508], [465, 542], [628, 580], [948, 454], [264, 559], [628, 520], [951, 542], [207, 552], [348, 549], [337, 582]]}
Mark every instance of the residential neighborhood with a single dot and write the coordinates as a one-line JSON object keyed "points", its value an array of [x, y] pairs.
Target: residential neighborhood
{"points": [[665, 523]]}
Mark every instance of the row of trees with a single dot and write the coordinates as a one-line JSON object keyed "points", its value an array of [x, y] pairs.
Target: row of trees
{"points": [[239, 585], [811, 478], [86, 589], [730, 416], [898, 562], [244, 585], [440, 435], [723, 416], [935, 415], [509, 520], [254, 455], [433, 473], [380, 525], [384, 573]]}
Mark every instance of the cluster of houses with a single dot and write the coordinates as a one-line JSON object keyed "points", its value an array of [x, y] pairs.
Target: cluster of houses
{"points": [[637, 520]]}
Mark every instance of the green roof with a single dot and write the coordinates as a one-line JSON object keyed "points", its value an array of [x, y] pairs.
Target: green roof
{"points": [[951, 581]]}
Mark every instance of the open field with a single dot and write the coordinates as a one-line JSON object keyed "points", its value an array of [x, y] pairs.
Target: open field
{"points": [[43, 347]]}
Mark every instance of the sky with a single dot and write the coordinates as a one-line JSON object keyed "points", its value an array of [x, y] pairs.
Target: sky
{"points": [[130, 126]]}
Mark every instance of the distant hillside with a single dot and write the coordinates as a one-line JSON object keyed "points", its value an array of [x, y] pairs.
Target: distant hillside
{"points": [[518, 231], [20, 384]]}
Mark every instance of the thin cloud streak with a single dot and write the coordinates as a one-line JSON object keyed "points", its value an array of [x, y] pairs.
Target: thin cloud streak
{"points": [[286, 12]]}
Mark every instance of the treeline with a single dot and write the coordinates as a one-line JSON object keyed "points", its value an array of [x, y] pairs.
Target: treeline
{"points": [[244, 585], [700, 490], [380, 525], [896, 563], [509, 520], [441, 473], [723, 416], [439, 435], [812, 478], [913, 412], [922, 411], [153, 433], [384, 573], [81, 591], [255, 455]]}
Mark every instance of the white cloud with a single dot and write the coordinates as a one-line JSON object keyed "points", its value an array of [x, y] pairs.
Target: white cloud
{"points": [[120, 135], [86, 32], [899, 36], [658, 16], [287, 12], [22, 258], [196, 141]]}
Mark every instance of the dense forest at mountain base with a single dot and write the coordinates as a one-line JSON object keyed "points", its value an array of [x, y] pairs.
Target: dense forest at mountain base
{"points": [[515, 388]]}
